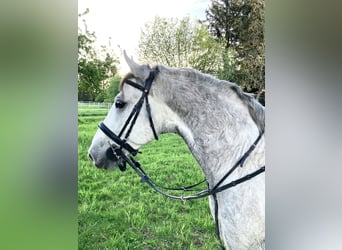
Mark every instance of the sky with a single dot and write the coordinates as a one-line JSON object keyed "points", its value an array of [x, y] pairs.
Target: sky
{"points": [[122, 20]]}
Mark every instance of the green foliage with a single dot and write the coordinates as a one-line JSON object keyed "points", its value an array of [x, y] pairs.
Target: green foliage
{"points": [[95, 68], [240, 25], [209, 54], [117, 211], [183, 43], [167, 41], [112, 89], [226, 20]]}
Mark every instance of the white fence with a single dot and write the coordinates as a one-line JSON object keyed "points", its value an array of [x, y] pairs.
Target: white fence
{"points": [[94, 105]]}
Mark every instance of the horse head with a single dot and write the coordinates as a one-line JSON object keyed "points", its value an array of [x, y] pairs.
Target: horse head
{"points": [[128, 124]]}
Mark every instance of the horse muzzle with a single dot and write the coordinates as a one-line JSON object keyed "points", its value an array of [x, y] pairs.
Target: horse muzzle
{"points": [[108, 160]]}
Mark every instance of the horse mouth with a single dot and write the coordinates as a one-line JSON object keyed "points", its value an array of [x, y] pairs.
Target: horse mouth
{"points": [[113, 160], [105, 165], [111, 155], [107, 162]]}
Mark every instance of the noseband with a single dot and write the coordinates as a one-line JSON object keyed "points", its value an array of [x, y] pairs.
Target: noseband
{"points": [[130, 122]]}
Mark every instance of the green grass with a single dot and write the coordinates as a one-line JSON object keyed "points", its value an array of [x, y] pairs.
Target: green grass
{"points": [[117, 211]]}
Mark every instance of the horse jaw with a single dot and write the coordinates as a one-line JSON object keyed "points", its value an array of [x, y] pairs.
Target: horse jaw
{"points": [[140, 71]]}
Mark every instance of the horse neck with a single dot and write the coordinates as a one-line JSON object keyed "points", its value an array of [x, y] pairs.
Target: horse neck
{"points": [[213, 121]]}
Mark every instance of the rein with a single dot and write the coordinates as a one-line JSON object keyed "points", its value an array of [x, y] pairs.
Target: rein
{"points": [[123, 158], [204, 192]]}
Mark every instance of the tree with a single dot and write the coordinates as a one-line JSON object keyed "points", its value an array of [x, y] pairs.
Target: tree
{"points": [[209, 55], [240, 25], [182, 43], [112, 89], [166, 41], [252, 51], [95, 68], [220, 22]]}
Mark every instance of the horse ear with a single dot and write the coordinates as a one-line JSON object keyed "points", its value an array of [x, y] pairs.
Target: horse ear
{"points": [[140, 71]]}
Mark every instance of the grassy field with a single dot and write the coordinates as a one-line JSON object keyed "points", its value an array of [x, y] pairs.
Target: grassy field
{"points": [[117, 211]]}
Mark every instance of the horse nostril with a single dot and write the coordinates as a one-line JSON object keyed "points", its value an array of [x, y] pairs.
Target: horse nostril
{"points": [[91, 158]]}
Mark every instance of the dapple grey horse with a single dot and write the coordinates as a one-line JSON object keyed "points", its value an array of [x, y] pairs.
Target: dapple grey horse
{"points": [[218, 122]]}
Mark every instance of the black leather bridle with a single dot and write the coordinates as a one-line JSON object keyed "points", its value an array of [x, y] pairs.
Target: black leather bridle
{"points": [[117, 151], [123, 158], [130, 122]]}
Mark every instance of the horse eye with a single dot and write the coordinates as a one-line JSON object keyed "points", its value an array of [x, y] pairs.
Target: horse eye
{"points": [[119, 104]]}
